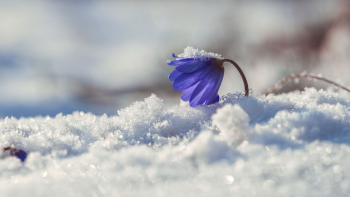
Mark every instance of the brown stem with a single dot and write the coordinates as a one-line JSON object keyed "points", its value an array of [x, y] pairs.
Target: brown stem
{"points": [[241, 73], [300, 76]]}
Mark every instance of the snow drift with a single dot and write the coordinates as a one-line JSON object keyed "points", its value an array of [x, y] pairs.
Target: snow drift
{"points": [[294, 144]]}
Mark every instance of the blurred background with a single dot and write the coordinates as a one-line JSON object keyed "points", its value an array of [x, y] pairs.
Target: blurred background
{"points": [[101, 56]]}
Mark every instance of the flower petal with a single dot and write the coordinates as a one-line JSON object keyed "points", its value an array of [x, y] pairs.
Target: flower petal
{"points": [[21, 154], [180, 62], [192, 66], [175, 74], [212, 97], [186, 94], [217, 99], [206, 87], [187, 80]]}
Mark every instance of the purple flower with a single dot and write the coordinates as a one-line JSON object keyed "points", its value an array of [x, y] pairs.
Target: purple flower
{"points": [[199, 79], [199, 75], [20, 154]]}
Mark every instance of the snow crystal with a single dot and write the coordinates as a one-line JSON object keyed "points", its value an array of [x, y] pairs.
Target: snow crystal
{"points": [[190, 52], [242, 146]]}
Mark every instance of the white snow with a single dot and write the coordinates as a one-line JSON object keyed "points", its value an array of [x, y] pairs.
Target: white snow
{"points": [[296, 144], [190, 52], [233, 124]]}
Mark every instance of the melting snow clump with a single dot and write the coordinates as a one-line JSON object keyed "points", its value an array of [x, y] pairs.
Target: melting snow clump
{"points": [[295, 144]]}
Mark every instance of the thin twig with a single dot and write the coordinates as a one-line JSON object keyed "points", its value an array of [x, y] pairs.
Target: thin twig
{"points": [[302, 76]]}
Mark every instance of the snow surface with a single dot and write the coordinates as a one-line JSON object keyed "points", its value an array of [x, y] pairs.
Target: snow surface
{"points": [[190, 52], [296, 144]]}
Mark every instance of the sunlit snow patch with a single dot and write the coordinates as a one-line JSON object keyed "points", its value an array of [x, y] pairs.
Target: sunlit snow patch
{"points": [[295, 144]]}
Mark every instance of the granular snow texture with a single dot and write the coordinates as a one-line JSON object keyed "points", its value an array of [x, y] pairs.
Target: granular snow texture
{"points": [[190, 52], [296, 144]]}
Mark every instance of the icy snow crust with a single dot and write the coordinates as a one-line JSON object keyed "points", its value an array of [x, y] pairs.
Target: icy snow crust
{"points": [[190, 52], [295, 144]]}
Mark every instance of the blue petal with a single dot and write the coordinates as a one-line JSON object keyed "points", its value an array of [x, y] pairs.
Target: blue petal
{"points": [[20, 154], [206, 87], [186, 94], [175, 74], [180, 62], [187, 80], [217, 99], [192, 66], [212, 96]]}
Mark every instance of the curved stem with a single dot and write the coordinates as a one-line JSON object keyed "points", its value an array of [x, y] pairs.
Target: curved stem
{"points": [[241, 73], [300, 76]]}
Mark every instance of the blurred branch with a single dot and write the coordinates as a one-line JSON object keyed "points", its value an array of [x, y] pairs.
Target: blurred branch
{"points": [[280, 84]]}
